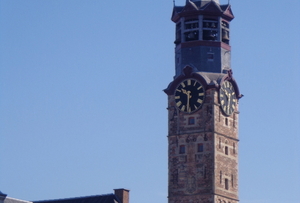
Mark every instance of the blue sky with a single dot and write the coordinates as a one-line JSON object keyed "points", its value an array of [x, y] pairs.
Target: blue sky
{"points": [[82, 109]]}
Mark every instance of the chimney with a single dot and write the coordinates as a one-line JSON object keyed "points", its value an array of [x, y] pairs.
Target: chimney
{"points": [[122, 194]]}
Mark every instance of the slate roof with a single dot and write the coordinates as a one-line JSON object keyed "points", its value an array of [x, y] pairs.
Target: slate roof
{"points": [[109, 198], [199, 5]]}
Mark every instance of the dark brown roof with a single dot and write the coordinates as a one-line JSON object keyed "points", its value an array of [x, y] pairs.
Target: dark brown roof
{"points": [[109, 198]]}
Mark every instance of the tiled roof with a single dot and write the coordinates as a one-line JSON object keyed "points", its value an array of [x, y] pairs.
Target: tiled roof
{"points": [[109, 198]]}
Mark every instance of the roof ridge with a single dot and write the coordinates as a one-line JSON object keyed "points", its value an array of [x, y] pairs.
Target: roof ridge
{"points": [[70, 198], [17, 199]]}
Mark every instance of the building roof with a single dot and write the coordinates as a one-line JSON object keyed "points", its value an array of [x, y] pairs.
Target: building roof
{"points": [[108, 198], [206, 7], [120, 196], [13, 200], [199, 5]]}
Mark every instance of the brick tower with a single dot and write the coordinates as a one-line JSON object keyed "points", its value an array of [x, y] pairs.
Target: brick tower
{"points": [[203, 107]]}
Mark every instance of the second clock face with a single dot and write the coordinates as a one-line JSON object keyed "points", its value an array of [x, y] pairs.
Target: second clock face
{"points": [[227, 98], [189, 95]]}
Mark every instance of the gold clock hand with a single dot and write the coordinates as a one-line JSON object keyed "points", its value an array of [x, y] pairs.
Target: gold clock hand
{"points": [[188, 100], [228, 103]]}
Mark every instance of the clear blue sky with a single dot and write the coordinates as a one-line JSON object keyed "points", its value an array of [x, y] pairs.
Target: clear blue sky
{"points": [[82, 109]]}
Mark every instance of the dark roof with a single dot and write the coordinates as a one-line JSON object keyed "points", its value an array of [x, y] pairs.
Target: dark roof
{"points": [[2, 194], [224, 7], [109, 198], [199, 5]]}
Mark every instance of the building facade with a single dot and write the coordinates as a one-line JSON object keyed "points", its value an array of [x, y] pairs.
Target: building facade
{"points": [[203, 107]]}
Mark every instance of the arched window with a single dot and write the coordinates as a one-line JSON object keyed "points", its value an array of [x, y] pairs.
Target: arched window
{"points": [[226, 150], [226, 184]]}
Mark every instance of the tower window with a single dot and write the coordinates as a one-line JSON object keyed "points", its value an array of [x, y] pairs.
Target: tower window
{"points": [[178, 33], [182, 149], [226, 150], [233, 148], [226, 184], [191, 30], [205, 137], [191, 24], [200, 147], [233, 122], [191, 36], [191, 120], [225, 32], [210, 29]]}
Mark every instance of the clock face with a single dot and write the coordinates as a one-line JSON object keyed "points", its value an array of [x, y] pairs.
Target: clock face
{"points": [[189, 95], [227, 98]]}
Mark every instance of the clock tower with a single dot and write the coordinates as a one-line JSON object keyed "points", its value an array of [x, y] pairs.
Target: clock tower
{"points": [[203, 107]]}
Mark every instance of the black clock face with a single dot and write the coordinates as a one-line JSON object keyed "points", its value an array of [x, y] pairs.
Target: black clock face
{"points": [[189, 95], [227, 98]]}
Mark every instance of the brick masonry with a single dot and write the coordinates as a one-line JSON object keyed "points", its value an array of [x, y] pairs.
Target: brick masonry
{"points": [[206, 170]]}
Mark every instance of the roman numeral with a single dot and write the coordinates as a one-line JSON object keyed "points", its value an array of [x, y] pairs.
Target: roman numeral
{"points": [[179, 103], [183, 108]]}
